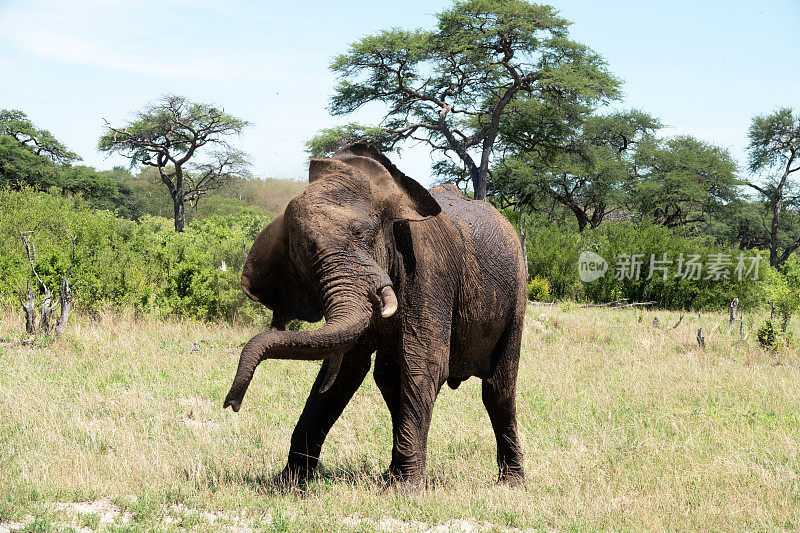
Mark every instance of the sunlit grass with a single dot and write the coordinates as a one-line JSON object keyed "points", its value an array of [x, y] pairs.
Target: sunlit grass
{"points": [[625, 425]]}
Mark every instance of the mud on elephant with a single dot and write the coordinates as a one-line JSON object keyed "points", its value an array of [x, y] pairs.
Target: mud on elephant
{"points": [[431, 282]]}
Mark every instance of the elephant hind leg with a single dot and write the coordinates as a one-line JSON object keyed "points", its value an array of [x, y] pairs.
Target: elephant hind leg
{"points": [[499, 398]]}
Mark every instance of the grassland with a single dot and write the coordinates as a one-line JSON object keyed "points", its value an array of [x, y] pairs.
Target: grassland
{"points": [[118, 426]]}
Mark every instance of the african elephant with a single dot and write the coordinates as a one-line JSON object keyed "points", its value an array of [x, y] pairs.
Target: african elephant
{"points": [[430, 281]]}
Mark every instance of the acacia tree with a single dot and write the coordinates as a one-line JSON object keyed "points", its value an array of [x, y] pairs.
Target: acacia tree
{"points": [[30, 155], [15, 124], [328, 141], [774, 149], [451, 87], [582, 161], [683, 181], [167, 135]]}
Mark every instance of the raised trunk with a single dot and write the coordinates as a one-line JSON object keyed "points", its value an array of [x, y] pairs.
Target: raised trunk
{"points": [[388, 308], [348, 313]]}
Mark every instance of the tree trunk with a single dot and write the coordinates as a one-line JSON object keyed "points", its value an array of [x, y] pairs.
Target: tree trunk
{"points": [[523, 239], [178, 199], [597, 215], [777, 207], [479, 184], [65, 297], [789, 251], [180, 211], [478, 178], [773, 234], [581, 217], [177, 192], [481, 187], [732, 318], [28, 302], [47, 310]]}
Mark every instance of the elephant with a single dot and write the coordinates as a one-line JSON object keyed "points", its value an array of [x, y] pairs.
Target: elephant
{"points": [[430, 281]]}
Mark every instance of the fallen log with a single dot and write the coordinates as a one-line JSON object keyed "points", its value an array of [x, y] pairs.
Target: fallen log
{"points": [[619, 304]]}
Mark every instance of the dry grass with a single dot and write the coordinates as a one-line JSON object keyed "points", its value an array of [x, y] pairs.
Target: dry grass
{"points": [[625, 426]]}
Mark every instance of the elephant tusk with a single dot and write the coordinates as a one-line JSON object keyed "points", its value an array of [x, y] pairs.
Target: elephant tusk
{"points": [[333, 366], [388, 301]]}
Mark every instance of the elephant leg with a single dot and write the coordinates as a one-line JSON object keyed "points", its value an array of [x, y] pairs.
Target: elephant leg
{"points": [[387, 377], [322, 410], [421, 376], [499, 398]]}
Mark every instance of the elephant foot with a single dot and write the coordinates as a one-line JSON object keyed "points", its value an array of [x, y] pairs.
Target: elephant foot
{"points": [[512, 479], [404, 487], [294, 476], [233, 402], [397, 483]]}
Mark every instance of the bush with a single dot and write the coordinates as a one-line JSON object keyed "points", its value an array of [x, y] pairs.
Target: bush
{"points": [[147, 266], [782, 289], [769, 336], [554, 252], [539, 289]]}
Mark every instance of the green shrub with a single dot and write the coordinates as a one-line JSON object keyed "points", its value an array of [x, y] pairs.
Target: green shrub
{"points": [[769, 336], [539, 289], [147, 266], [554, 251], [782, 289]]}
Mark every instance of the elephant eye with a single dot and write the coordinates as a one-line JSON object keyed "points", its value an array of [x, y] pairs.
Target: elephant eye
{"points": [[359, 230]]}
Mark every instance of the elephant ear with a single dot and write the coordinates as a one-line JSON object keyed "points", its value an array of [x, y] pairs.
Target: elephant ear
{"points": [[390, 187], [270, 277]]}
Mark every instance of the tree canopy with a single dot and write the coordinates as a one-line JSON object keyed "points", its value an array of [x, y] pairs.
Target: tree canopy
{"points": [[452, 86], [167, 135], [30, 156], [21, 167], [16, 125], [582, 161], [774, 151], [328, 141], [683, 181]]}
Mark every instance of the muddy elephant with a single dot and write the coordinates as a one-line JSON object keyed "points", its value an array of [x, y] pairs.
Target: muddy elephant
{"points": [[431, 282]]}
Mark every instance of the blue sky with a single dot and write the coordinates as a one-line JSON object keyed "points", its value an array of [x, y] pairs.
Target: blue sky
{"points": [[703, 67]]}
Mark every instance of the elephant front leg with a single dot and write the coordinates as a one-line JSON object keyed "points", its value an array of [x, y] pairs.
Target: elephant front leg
{"points": [[420, 382], [322, 410]]}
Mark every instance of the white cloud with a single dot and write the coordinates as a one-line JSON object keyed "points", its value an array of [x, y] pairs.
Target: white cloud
{"points": [[93, 52], [113, 35], [6, 66]]}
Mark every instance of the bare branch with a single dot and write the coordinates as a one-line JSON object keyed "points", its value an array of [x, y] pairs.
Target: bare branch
{"points": [[30, 248]]}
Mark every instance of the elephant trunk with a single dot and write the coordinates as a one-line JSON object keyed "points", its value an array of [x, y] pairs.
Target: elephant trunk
{"points": [[331, 340], [348, 314], [388, 307]]}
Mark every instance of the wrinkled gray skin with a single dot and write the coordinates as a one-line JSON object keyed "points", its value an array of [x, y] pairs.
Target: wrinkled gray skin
{"points": [[430, 281]]}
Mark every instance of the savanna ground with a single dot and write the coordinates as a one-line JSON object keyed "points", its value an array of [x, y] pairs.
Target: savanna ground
{"points": [[118, 426]]}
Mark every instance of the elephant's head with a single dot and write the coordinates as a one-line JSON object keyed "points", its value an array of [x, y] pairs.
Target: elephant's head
{"points": [[329, 255]]}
